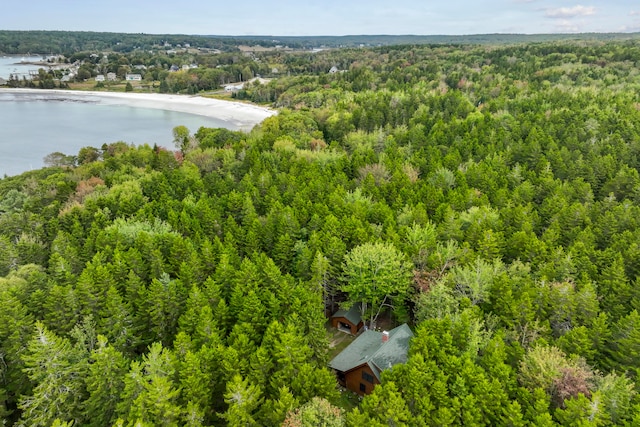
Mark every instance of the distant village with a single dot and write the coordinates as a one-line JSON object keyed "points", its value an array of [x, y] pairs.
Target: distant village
{"points": [[108, 68]]}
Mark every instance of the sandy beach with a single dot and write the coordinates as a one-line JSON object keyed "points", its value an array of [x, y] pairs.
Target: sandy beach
{"points": [[243, 116]]}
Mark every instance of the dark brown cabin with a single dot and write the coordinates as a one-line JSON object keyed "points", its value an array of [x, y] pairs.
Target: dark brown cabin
{"points": [[348, 320], [358, 366]]}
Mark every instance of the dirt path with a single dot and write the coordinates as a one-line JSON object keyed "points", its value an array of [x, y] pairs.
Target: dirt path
{"points": [[337, 339]]}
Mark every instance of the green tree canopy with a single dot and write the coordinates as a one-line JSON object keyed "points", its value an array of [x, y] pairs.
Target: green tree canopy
{"points": [[375, 275]]}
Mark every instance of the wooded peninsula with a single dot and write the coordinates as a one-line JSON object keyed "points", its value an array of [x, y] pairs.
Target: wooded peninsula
{"points": [[480, 201]]}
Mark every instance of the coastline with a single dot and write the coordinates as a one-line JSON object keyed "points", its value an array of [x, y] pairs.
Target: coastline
{"points": [[243, 116]]}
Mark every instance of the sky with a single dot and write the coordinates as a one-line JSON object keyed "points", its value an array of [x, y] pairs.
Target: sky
{"points": [[327, 17]]}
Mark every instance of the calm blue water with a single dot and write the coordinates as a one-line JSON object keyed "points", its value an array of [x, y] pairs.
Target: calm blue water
{"points": [[13, 65], [31, 129]]}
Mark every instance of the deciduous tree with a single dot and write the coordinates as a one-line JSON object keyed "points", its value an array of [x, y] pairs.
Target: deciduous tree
{"points": [[375, 275]]}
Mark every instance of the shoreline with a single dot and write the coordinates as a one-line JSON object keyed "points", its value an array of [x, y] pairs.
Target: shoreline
{"points": [[243, 116]]}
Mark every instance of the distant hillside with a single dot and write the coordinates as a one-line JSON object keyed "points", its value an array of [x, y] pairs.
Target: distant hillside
{"points": [[378, 40], [68, 42]]}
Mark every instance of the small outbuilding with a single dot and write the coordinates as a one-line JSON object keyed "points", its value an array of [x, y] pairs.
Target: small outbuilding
{"points": [[358, 366], [348, 321]]}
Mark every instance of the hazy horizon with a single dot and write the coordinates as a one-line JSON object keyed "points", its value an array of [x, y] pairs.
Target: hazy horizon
{"points": [[329, 18]]}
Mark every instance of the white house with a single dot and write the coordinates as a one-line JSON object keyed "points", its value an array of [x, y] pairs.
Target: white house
{"points": [[111, 77], [233, 88], [133, 77], [100, 78]]}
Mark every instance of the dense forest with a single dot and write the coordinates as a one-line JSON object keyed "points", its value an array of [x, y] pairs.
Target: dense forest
{"points": [[70, 42], [473, 39], [495, 188]]}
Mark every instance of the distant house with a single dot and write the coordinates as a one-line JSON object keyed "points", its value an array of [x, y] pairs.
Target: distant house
{"points": [[333, 70], [234, 88], [111, 77], [174, 68], [348, 320], [133, 77], [100, 78], [358, 366]]}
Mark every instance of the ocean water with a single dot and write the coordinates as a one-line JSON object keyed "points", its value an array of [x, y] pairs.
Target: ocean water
{"points": [[15, 65], [32, 128]]}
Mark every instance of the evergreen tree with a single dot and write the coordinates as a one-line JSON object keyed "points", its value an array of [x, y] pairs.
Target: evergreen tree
{"points": [[149, 394], [243, 400], [57, 370], [104, 383], [385, 406]]}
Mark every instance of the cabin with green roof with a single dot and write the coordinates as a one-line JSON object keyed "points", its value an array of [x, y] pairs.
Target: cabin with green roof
{"points": [[358, 366], [348, 320]]}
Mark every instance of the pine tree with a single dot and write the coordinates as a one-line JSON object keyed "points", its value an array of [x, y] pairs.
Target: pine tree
{"points": [[617, 393], [105, 383], [615, 290], [579, 411], [625, 349], [16, 329], [274, 411], [321, 278], [61, 309], [385, 406], [163, 308], [195, 381], [57, 369], [243, 400], [149, 394], [116, 323]]}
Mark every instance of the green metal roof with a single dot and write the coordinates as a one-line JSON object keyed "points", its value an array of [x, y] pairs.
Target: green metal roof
{"points": [[352, 315], [368, 348]]}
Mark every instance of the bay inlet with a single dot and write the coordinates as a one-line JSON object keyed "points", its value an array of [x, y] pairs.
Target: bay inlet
{"points": [[34, 123]]}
